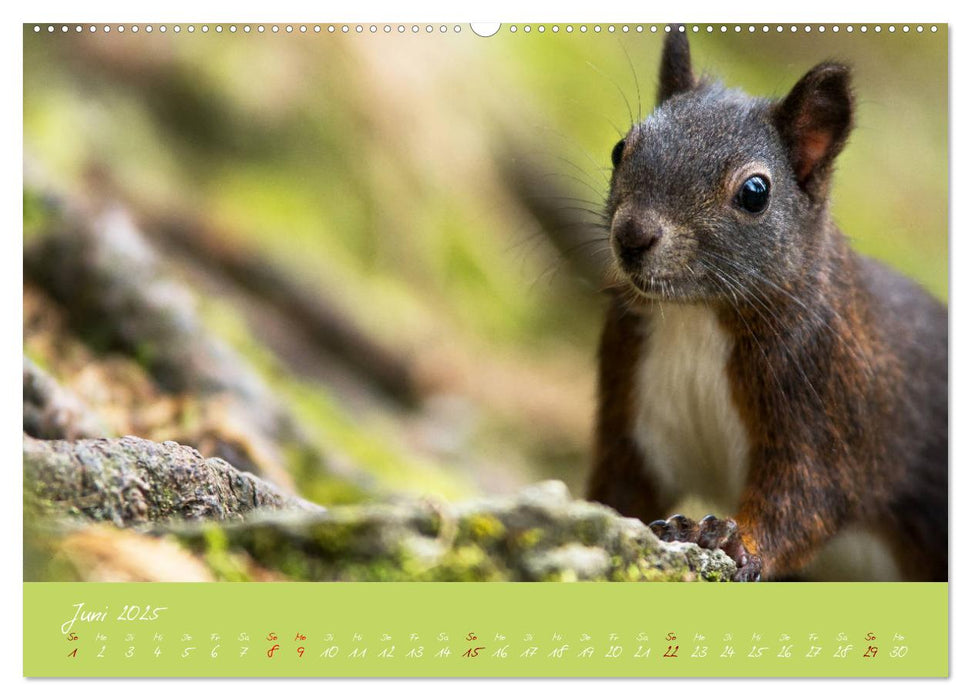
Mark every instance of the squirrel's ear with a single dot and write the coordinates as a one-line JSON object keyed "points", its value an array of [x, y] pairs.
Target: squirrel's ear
{"points": [[676, 75], [814, 121]]}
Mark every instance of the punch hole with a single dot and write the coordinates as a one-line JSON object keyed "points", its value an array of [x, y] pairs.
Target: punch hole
{"points": [[485, 29]]}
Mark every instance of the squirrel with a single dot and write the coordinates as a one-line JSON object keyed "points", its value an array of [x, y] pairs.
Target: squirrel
{"points": [[749, 355]]}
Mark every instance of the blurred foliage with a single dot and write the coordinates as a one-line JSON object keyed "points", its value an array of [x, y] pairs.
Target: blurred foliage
{"points": [[375, 168]]}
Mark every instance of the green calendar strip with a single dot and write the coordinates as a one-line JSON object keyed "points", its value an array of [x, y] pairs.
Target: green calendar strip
{"points": [[485, 629]]}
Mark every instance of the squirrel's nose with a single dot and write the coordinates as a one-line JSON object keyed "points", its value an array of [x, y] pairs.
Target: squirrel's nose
{"points": [[635, 238]]}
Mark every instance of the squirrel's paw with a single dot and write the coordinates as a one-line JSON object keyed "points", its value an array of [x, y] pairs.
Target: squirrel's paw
{"points": [[711, 533]]}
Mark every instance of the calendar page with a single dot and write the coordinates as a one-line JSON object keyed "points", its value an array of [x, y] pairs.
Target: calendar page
{"points": [[485, 350]]}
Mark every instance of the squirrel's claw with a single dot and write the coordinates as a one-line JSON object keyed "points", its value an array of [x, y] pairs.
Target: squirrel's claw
{"points": [[750, 571], [677, 528], [712, 533]]}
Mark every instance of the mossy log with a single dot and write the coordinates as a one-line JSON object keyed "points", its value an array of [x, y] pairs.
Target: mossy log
{"points": [[540, 534], [129, 481], [243, 528]]}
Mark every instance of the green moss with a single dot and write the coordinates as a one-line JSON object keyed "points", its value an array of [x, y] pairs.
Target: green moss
{"points": [[224, 564], [341, 539], [592, 528], [468, 563], [528, 539], [481, 528], [296, 565]]}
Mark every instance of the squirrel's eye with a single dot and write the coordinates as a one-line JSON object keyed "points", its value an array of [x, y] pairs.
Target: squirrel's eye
{"points": [[753, 196], [617, 153]]}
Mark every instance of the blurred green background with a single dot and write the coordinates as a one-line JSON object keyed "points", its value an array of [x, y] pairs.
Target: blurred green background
{"points": [[438, 190]]}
